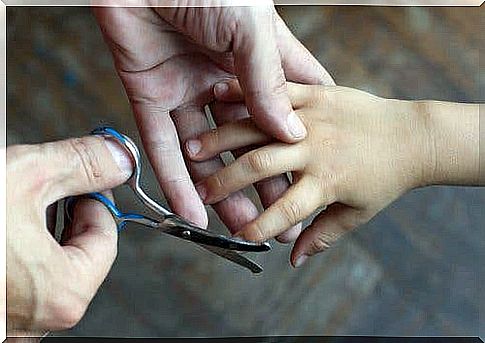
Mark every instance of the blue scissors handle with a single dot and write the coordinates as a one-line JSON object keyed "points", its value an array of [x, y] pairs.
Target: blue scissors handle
{"points": [[166, 221], [121, 219]]}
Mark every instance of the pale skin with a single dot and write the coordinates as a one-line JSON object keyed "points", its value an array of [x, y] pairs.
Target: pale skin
{"points": [[159, 54], [170, 58], [49, 283], [361, 153]]}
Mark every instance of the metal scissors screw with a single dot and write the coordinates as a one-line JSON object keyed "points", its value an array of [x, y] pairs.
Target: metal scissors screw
{"points": [[166, 221]]}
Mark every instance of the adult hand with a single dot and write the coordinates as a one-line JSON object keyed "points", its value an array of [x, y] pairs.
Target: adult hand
{"points": [[50, 284], [169, 60]]}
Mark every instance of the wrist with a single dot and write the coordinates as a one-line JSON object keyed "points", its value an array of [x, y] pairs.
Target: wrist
{"points": [[451, 151]]}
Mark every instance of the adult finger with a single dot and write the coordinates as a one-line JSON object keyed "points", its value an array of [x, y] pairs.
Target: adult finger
{"points": [[324, 231], [91, 249], [270, 189], [79, 165], [257, 64], [298, 63], [234, 211], [161, 142]]}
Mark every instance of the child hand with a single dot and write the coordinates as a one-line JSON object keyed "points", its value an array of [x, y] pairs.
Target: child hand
{"points": [[360, 154]]}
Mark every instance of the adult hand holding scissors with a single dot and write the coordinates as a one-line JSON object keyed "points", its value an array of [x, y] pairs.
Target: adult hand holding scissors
{"points": [[50, 284]]}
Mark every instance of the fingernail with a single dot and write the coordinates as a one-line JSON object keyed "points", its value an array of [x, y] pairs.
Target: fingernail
{"points": [[300, 260], [121, 157], [193, 147], [295, 125], [220, 88], [201, 190]]}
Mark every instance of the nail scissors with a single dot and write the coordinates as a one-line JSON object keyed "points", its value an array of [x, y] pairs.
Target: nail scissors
{"points": [[165, 221]]}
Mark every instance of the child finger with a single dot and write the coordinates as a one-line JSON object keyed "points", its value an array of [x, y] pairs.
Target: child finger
{"points": [[253, 166], [227, 137], [299, 94], [303, 95], [324, 231], [299, 202], [270, 189]]}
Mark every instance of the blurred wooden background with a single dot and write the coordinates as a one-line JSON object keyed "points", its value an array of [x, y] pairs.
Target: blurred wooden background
{"points": [[413, 270]]}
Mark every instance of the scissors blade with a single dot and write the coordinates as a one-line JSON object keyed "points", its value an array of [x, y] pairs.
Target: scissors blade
{"points": [[234, 257], [177, 226]]}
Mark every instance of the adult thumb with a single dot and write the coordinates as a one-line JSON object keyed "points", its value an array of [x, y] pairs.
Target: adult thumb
{"points": [[258, 66], [80, 165]]}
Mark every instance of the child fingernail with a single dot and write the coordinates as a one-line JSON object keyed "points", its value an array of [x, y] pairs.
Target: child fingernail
{"points": [[295, 125], [300, 260], [194, 146], [220, 88], [201, 190]]}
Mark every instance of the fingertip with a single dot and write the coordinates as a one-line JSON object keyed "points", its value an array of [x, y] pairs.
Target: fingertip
{"points": [[207, 191], [296, 127], [200, 220], [188, 205], [298, 254], [194, 212], [196, 216], [193, 148], [290, 235], [251, 233], [281, 122], [300, 260]]}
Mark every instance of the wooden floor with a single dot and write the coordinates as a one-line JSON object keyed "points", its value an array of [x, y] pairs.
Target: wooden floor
{"points": [[416, 269]]}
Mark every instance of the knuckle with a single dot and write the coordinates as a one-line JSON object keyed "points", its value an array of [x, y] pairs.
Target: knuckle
{"points": [[211, 140], [290, 211], [319, 94], [85, 159], [164, 144], [328, 188], [279, 85], [322, 242], [259, 162], [175, 179], [215, 183]]}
